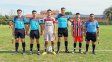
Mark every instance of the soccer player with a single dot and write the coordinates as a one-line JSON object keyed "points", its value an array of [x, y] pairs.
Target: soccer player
{"points": [[77, 31], [91, 30], [62, 29], [49, 31], [19, 30], [34, 31]]}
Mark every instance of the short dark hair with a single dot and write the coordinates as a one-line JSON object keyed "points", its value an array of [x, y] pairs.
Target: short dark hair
{"points": [[49, 10], [34, 11], [77, 13], [62, 8], [91, 14], [19, 10]]}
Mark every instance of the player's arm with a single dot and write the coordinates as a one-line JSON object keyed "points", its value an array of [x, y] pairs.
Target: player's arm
{"points": [[84, 28], [55, 30], [42, 29], [26, 26], [72, 31], [97, 33], [41, 22], [97, 26]]}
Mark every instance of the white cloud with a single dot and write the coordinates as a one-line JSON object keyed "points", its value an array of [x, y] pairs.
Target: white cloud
{"points": [[83, 6]]}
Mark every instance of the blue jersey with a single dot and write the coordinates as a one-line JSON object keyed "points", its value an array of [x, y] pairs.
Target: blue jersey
{"points": [[34, 24], [19, 23], [91, 26], [62, 21]]}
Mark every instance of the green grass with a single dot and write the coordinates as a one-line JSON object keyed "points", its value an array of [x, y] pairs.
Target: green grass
{"points": [[6, 48]]}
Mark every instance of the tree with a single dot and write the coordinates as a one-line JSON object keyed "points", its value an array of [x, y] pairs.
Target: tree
{"points": [[68, 13], [108, 14]]}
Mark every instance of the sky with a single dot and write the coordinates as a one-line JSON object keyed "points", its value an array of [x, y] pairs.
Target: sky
{"points": [[82, 6]]}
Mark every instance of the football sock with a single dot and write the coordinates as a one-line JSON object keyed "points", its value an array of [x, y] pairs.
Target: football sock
{"points": [[16, 46], [31, 47]]}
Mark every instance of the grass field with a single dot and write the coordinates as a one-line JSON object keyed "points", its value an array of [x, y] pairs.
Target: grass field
{"points": [[103, 53]]}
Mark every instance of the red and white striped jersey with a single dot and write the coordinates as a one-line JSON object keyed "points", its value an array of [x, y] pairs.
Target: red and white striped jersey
{"points": [[77, 27], [49, 24]]}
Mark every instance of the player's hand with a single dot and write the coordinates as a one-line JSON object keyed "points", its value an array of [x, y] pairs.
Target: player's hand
{"points": [[54, 36], [41, 33], [84, 34], [26, 33]]}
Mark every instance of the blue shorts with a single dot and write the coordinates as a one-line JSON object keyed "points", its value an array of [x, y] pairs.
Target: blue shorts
{"points": [[19, 33], [34, 34]]}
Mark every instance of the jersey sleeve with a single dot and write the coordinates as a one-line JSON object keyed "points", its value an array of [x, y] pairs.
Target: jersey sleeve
{"points": [[85, 24], [97, 25], [25, 20], [68, 18], [41, 21], [54, 20], [57, 16], [14, 19], [72, 24]]}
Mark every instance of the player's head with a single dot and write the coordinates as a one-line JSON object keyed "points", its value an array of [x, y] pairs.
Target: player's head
{"points": [[34, 13], [63, 10], [19, 12], [49, 12], [91, 17], [77, 15]]}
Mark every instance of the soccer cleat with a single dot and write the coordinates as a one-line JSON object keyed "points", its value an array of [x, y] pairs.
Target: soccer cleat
{"points": [[66, 51], [85, 52], [44, 53], [57, 52], [38, 52], [73, 52], [80, 51], [24, 53], [93, 53], [31, 52], [53, 53]]}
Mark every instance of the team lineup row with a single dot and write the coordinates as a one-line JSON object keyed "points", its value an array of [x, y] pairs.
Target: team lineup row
{"points": [[21, 27]]}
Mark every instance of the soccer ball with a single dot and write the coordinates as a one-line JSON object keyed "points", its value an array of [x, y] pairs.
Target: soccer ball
{"points": [[49, 49]]}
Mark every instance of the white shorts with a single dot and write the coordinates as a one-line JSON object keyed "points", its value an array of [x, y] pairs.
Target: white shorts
{"points": [[49, 37]]}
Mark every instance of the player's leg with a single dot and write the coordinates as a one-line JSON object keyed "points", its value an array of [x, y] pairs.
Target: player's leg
{"points": [[37, 36], [31, 41], [93, 43], [31, 45], [80, 39], [46, 43], [16, 45], [65, 34], [74, 44], [16, 41], [38, 46], [88, 39], [93, 47], [59, 39], [52, 42], [22, 38], [80, 46]]}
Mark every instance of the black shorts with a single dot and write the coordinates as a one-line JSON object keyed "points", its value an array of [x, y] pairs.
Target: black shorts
{"points": [[34, 34], [62, 32], [19, 33], [91, 36]]}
